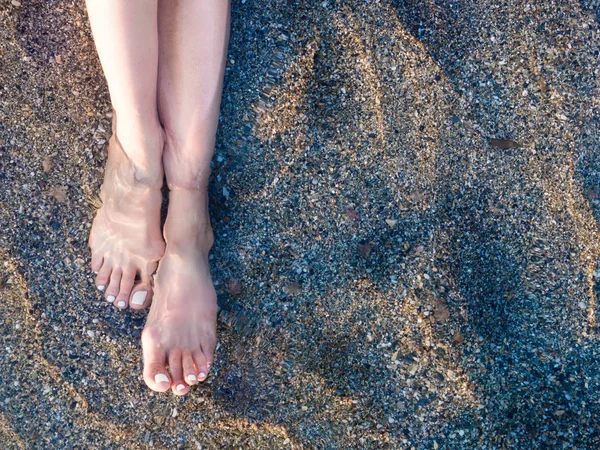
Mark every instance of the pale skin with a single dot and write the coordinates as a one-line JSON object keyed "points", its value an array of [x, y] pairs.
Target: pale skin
{"points": [[164, 62]]}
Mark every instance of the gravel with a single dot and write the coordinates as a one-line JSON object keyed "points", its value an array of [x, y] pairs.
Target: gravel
{"points": [[405, 197]]}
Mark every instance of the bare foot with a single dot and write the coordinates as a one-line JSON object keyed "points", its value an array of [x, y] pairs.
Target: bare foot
{"points": [[126, 239], [180, 331]]}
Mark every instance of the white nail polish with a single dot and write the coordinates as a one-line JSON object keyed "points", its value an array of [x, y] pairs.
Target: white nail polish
{"points": [[161, 378], [101, 287], [192, 378], [180, 387], [139, 298], [110, 298], [122, 304], [202, 375]]}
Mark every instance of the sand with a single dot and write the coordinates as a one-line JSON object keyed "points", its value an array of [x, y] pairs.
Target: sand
{"points": [[405, 198]]}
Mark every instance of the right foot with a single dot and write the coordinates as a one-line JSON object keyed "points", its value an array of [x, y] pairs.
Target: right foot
{"points": [[180, 331], [126, 240]]}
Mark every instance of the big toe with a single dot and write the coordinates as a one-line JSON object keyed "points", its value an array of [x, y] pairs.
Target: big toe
{"points": [[156, 376], [141, 295]]}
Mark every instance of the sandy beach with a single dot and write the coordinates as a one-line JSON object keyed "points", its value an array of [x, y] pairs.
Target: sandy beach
{"points": [[406, 205]]}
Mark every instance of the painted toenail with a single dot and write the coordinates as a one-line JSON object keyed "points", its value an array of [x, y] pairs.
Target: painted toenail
{"points": [[122, 304], [161, 378], [180, 387], [101, 287], [202, 375], [139, 298], [192, 378], [110, 298]]}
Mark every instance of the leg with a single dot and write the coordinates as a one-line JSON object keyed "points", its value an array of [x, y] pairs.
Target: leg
{"points": [[181, 326], [126, 240]]}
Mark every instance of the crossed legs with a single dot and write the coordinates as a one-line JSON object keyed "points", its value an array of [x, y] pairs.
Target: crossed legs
{"points": [[164, 62]]}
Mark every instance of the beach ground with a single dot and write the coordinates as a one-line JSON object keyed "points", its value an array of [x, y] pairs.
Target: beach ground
{"points": [[405, 198]]}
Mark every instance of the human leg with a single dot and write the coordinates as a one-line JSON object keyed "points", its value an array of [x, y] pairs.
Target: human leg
{"points": [[181, 326], [126, 239]]}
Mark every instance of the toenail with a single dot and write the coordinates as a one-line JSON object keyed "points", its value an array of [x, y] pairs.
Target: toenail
{"points": [[101, 287], [139, 298], [110, 298], [161, 378], [121, 304], [180, 387], [202, 375], [191, 378]]}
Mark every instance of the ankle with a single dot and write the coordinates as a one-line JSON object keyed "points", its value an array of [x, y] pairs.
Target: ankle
{"points": [[194, 240], [143, 149], [188, 224], [186, 162]]}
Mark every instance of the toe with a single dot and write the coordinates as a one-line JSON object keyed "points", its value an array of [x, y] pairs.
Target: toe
{"points": [[201, 365], [155, 372], [208, 348], [141, 294], [96, 262], [189, 369], [178, 386], [112, 290], [103, 276], [125, 289]]}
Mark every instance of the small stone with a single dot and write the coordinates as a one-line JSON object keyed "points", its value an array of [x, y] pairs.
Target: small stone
{"points": [[413, 368], [458, 338], [59, 193], [16, 3], [233, 286], [364, 250], [91, 333], [391, 222], [47, 164], [293, 288], [441, 313]]}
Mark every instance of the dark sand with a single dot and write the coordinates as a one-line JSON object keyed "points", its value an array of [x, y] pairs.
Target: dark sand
{"points": [[389, 276]]}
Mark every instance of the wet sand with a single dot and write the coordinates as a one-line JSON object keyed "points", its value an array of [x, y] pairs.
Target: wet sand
{"points": [[405, 199]]}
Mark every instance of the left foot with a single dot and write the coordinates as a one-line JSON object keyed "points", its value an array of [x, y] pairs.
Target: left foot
{"points": [[180, 331], [126, 239]]}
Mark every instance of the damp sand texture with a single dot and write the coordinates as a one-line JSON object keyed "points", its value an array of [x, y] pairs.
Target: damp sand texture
{"points": [[405, 197]]}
